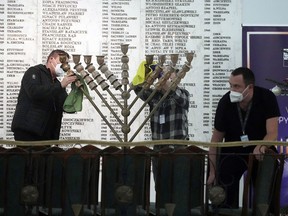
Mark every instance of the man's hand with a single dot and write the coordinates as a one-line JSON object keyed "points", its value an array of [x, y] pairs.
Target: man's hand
{"points": [[67, 79], [259, 150]]}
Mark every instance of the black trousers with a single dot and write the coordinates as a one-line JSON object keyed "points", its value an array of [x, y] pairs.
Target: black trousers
{"points": [[231, 168], [20, 135]]}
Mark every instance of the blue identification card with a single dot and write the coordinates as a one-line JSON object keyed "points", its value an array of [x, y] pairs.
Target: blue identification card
{"points": [[244, 138]]}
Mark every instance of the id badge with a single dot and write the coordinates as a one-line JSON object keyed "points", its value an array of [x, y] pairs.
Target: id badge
{"points": [[162, 119], [244, 138]]}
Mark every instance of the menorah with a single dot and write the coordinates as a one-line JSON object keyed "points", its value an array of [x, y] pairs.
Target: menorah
{"points": [[93, 78]]}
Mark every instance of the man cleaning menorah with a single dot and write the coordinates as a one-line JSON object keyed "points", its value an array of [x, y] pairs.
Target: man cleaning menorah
{"points": [[39, 108], [170, 119]]}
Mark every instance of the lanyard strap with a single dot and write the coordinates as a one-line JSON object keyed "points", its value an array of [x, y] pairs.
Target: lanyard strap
{"points": [[243, 123]]}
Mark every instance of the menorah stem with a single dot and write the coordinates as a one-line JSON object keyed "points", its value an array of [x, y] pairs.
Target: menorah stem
{"points": [[181, 74], [108, 106], [147, 84], [143, 106], [151, 77], [149, 81], [109, 76], [151, 113], [114, 98], [85, 75], [173, 86], [126, 116], [135, 99], [101, 114], [125, 94]]}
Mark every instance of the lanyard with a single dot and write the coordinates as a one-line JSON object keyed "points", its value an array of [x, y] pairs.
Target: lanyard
{"points": [[243, 123]]}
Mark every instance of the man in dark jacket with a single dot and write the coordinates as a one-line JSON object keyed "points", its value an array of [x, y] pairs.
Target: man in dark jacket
{"points": [[39, 109]]}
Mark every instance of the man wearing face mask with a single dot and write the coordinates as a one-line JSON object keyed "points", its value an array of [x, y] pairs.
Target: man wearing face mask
{"points": [[39, 108], [247, 112]]}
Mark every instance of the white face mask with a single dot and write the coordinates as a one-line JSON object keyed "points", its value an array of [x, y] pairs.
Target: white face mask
{"points": [[237, 96], [59, 71]]}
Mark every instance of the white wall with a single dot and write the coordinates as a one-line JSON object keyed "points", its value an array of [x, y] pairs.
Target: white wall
{"points": [[265, 12]]}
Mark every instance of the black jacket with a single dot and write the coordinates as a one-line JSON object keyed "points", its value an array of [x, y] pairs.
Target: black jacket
{"points": [[39, 108]]}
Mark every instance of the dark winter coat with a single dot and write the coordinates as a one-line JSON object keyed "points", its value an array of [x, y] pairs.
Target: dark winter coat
{"points": [[39, 108]]}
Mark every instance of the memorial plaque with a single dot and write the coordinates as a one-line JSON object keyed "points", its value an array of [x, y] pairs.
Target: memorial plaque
{"points": [[30, 30]]}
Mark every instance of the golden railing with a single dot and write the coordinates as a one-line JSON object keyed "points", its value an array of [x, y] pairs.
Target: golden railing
{"points": [[140, 143]]}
